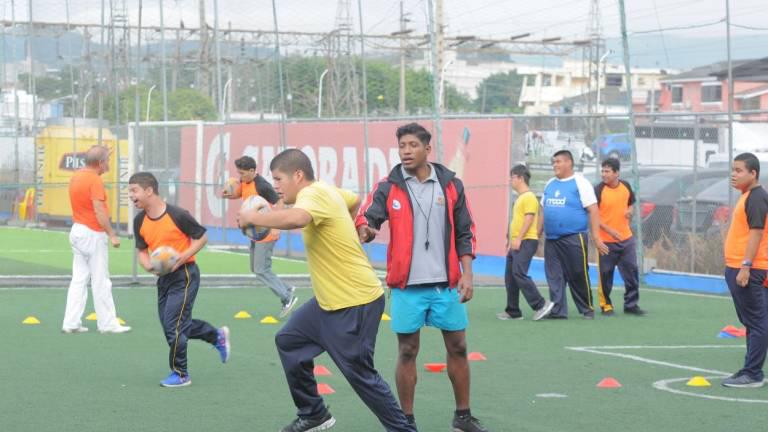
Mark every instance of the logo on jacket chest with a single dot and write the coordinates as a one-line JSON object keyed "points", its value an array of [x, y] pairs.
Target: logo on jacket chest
{"points": [[396, 205]]}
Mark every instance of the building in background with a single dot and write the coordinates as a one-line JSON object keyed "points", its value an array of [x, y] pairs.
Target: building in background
{"points": [[705, 89], [545, 86]]}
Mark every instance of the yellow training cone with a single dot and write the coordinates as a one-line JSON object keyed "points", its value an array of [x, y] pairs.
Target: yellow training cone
{"points": [[269, 319], [243, 315], [385, 317], [91, 317], [120, 321], [698, 381], [31, 320]]}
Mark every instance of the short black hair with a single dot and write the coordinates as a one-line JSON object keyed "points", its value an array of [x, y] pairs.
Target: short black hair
{"points": [[612, 163], [416, 130], [145, 180], [750, 161], [566, 153], [521, 171], [292, 160], [245, 163]]}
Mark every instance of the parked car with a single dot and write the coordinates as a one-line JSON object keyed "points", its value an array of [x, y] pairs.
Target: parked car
{"points": [[660, 192], [612, 146], [721, 160], [626, 174], [712, 211]]}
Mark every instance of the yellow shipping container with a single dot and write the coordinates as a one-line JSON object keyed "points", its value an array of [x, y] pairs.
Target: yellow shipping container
{"points": [[60, 154]]}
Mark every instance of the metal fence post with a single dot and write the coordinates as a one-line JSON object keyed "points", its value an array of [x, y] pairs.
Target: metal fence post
{"points": [[694, 192]]}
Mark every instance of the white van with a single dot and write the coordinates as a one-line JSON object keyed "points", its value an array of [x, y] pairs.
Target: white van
{"points": [[720, 160]]}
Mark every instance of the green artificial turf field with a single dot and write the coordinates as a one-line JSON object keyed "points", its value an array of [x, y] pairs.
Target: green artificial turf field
{"points": [[538, 376], [33, 252]]}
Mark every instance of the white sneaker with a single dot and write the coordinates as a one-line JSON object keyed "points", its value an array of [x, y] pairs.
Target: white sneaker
{"points": [[80, 329], [118, 329], [504, 316], [288, 306], [544, 311]]}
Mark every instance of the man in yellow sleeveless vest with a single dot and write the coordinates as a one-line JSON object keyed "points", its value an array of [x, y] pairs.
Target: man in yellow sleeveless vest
{"points": [[251, 183]]}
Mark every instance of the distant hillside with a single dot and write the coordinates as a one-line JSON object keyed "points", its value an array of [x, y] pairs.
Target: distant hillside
{"points": [[646, 51]]}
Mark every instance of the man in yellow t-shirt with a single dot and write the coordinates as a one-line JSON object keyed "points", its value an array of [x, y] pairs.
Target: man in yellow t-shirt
{"points": [[343, 317], [522, 243]]}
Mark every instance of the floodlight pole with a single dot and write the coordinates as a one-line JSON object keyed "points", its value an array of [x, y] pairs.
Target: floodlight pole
{"points": [[730, 90], [631, 135]]}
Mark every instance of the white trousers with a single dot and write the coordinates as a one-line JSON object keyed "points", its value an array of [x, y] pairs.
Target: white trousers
{"points": [[90, 262]]}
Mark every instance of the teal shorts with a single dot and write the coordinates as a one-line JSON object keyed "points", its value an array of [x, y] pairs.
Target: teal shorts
{"points": [[414, 307]]}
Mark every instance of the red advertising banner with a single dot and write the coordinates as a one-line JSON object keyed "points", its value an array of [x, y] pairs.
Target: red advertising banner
{"points": [[477, 150]]}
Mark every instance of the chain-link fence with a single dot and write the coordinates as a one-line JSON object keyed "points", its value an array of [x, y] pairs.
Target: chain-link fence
{"points": [[681, 176]]}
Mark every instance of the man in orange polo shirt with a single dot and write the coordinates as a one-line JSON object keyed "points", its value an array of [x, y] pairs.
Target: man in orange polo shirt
{"points": [[746, 262], [91, 231], [252, 184], [615, 199]]}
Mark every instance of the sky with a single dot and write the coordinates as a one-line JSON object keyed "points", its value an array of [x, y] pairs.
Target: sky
{"points": [[568, 19]]}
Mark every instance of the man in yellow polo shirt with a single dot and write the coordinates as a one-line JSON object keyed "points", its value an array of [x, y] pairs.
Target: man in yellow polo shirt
{"points": [[522, 243], [343, 317]]}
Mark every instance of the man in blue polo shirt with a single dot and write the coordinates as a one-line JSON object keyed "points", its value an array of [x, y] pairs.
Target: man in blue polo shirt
{"points": [[569, 212]]}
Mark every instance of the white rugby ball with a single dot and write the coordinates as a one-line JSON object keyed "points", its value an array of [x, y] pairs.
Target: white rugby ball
{"points": [[253, 232]]}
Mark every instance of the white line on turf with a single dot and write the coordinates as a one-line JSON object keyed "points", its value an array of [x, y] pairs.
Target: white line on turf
{"points": [[220, 249], [551, 395], [648, 360], [131, 288], [19, 251], [622, 347], [205, 275], [687, 294], [663, 385]]}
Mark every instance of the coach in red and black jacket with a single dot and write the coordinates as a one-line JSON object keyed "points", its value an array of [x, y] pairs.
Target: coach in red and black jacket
{"points": [[429, 263], [391, 201]]}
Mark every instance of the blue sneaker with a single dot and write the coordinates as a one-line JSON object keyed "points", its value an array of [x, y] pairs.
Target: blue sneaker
{"points": [[222, 344], [176, 380]]}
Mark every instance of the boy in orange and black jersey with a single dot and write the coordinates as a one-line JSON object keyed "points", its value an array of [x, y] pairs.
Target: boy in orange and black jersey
{"points": [[160, 224], [615, 199], [253, 184], [746, 265]]}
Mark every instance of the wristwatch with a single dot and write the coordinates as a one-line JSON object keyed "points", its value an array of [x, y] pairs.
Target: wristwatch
{"points": [[746, 263]]}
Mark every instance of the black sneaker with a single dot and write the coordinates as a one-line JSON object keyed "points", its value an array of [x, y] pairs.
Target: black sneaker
{"points": [[589, 316], [410, 419], [311, 424], [742, 381], [467, 424], [634, 311]]}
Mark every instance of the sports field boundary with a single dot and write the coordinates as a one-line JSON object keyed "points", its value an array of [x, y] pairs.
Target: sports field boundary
{"points": [[664, 384]]}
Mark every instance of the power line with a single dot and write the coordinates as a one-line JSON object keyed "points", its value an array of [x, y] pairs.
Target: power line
{"points": [[689, 27], [746, 27], [663, 39]]}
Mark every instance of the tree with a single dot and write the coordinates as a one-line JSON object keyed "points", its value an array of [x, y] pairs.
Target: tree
{"points": [[189, 104], [256, 88], [384, 84], [183, 104], [499, 93]]}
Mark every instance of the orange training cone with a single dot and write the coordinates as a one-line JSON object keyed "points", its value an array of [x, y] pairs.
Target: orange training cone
{"points": [[321, 370], [476, 356], [325, 389], [608, 382], [435, 367]]}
